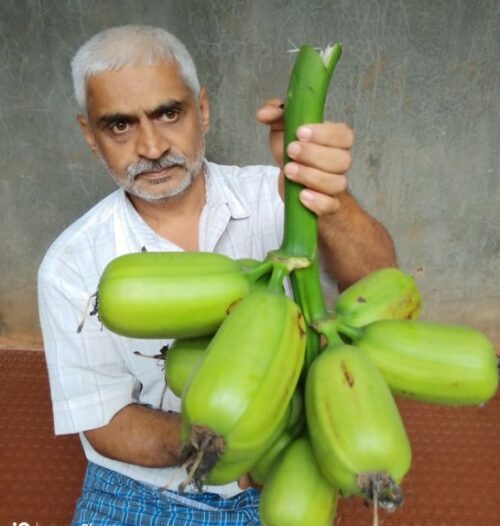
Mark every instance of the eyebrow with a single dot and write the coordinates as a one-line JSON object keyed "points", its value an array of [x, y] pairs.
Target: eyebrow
{"points": [[111, 118], [166, 106]]}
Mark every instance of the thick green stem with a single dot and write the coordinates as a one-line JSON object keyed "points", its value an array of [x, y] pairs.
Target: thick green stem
{"points": [[307, 92], [305, 105], [307, 292]]}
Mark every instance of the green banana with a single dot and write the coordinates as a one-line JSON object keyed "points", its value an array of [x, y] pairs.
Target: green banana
{"points": [[431, 362], [235, 404], [296, 417], [169, 294], [262, 468], [181, 359], [296, 493], [386, 293], [295, 424], [355, 428]]}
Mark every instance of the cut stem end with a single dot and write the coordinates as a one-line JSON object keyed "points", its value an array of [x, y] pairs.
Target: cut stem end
{"points": [[199, 455], [380, 488]]}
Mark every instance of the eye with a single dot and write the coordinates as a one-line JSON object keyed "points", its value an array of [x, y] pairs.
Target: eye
{"points": [[120, 127], [171, 115]]}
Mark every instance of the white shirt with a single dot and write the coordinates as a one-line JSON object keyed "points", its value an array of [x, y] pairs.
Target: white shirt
{"points": [[94, 374]]}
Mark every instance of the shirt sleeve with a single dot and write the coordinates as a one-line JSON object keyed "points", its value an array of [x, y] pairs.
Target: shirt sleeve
{"points": [[88, 374]]}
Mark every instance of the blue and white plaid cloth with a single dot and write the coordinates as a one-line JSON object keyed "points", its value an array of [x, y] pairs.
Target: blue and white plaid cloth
{"points": [[111, 499]]}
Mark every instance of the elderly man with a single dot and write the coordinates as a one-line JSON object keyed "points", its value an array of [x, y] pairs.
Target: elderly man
{"points": [[144, 115]]}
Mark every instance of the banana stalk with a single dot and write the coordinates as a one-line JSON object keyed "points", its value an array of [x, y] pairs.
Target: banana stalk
{"points": [[355, 428], [430, 362], [171, 294], [305, 104]]}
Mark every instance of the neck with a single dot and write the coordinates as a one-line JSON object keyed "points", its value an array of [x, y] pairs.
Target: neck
{"points": [[177, 218]]}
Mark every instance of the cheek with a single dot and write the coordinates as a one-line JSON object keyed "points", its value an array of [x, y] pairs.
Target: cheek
{"points": [[116, 157], [197, 137], [190, 130]]}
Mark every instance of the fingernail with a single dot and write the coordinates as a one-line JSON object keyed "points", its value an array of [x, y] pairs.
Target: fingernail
{"points": [[292, 169], [304, 133], [293, 149], [307, 196]]}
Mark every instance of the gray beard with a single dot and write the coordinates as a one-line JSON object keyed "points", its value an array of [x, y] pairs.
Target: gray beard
{"points": [[166, 161]]}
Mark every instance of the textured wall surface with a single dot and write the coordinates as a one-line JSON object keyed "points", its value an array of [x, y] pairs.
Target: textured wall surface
{"points": [[418, 82]]}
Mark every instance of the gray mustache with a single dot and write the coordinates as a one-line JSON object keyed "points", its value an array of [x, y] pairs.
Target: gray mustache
{"points": [[145, 165]]}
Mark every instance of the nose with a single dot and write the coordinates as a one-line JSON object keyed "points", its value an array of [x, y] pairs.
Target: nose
{"points": [[151, 143]]}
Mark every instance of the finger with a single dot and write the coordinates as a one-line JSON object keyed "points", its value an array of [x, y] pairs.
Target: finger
{"points": [[317, 180], [337, 134], [318, 203], [271, 111], [244, 482], [324, 158]]}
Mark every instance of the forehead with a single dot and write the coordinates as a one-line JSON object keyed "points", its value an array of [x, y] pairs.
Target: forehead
{"points": [[135, 89]]}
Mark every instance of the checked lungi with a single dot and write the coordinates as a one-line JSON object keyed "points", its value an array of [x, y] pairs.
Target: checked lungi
{"points": [[111, 499]]}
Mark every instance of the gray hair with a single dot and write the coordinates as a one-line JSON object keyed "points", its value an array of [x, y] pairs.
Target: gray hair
{"points": [[118, 47]]}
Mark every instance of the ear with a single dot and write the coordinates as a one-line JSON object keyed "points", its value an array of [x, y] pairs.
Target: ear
{"points": [[204, 109], [88, 134]]}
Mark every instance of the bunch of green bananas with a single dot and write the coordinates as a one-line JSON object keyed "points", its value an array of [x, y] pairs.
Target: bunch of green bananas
{"points": [[298, 397], [353, 425]]}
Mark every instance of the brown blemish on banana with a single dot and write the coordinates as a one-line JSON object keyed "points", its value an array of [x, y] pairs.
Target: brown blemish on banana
{"points": [[232, 306], [347, 375], [301, 324]]}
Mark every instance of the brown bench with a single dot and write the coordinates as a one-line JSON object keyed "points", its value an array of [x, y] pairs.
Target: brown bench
{"points": [[453, 481]]}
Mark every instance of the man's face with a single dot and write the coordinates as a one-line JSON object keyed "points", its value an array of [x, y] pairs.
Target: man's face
{"points": [[148, 128]]}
